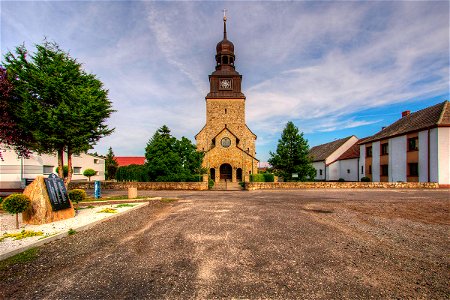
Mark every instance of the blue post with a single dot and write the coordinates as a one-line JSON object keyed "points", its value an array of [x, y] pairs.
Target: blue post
{"points": [[97, 190]]}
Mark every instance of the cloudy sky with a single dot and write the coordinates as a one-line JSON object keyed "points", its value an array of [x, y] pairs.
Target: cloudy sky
{"points": [[334, 68]]}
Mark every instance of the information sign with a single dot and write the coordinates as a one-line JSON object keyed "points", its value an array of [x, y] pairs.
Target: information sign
{"points": [[57, 192]]}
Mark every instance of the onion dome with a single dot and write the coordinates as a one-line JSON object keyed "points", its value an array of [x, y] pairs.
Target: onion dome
{"points": [[225, 49]]}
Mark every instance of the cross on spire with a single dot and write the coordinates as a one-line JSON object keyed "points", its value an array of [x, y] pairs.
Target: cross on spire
{"points": [[224, 23]]}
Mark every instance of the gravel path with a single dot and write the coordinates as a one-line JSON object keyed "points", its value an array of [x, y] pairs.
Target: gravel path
{"points": [[262, 244]]}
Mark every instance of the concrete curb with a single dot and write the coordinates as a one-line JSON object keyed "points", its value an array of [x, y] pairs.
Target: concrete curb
{"points": [[64, 234]]}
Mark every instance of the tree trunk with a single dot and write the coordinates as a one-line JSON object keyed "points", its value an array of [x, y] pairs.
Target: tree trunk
{"points": [[17, 221], [69, 165], [61, 162]]}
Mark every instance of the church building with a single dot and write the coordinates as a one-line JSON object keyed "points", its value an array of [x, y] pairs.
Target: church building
{"points": [[228, 143]]}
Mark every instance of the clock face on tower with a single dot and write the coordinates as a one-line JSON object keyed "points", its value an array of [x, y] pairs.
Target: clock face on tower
{"points": [[225, 84]]}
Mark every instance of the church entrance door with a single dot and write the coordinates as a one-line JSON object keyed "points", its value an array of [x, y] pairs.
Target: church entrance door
{"points": [[239, 174], [225, 172]]}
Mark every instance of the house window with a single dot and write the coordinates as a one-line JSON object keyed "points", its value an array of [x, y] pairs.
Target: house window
{"points": [[370, 169], [95, 161], [48, 169], [413, 169], [320, 172], [76, 170], [369, 151], [348, 171], [413, 144], [384, 149], [384, 170]]}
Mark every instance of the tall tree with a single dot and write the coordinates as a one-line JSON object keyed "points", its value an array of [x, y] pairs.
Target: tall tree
{"points": [[11, 135], [61, 106], [292, 155], [111, 164], [169, 159]]}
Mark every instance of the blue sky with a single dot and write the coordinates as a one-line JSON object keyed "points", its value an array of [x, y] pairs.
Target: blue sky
{"points": [[334, 68]]}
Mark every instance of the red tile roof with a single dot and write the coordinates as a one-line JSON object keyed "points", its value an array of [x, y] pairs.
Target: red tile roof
{"points": [[352, 152], [130, 160], [433, 116]]}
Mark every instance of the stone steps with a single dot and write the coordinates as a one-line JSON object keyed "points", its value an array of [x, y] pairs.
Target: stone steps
{"points": [[227, 186]]}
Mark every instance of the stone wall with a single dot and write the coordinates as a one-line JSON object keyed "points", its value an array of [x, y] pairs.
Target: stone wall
{"points": [[110, 185], [340, 185]]}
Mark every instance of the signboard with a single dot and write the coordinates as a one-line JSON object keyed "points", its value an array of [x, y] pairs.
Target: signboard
{"points": [[294, 175], [57, 192]]}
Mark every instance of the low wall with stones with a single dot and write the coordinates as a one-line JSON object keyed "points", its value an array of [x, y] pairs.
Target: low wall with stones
{"points": [[340, 185], [111, 185]]}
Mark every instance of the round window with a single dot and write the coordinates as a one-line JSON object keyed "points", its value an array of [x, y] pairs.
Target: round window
{"points": [[226, 142]]}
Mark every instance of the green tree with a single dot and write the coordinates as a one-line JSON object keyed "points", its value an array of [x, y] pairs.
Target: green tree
{"points": [[57, 103], [169, 159], [89, 173], [65, 171], [15, 204], [111, 164], [292, 155]]}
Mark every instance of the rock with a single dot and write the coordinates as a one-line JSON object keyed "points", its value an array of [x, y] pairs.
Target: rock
{"points": [[41, 211]]}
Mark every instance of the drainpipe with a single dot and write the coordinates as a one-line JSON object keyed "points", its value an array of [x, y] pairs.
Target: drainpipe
{"points": [[358, 169], [429, 159], [325, 169]]}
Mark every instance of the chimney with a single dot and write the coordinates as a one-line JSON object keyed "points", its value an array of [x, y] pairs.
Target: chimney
{"points": [[406, 113]]}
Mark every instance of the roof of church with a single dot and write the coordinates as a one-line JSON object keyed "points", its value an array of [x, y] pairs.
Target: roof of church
{"points": [[130, 160], [321, 152], [433, 116]]}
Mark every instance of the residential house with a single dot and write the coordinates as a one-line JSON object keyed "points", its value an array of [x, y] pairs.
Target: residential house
{"points": [[413, 149], [16, 171], [326, 159]]}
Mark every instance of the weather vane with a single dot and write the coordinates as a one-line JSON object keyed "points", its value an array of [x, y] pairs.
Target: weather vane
{"points": [[224, 14]]}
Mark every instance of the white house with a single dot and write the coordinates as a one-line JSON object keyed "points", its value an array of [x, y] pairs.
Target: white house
{"points": [[413, 149], [326, 159], [14, 170]]}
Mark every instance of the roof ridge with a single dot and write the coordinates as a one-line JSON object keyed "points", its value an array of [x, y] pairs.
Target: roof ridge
{"points": [[441, 116]]}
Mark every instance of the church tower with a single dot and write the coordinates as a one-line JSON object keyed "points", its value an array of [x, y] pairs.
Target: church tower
{"points": [[228, 143]]}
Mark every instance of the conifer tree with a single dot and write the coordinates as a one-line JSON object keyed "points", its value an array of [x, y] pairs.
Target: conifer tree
{"points": [[292, 155], [56, 102], [111, 164]]}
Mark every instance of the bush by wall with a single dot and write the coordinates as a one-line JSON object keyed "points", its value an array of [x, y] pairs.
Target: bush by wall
{"points": [[365, 179], [262, 177]]}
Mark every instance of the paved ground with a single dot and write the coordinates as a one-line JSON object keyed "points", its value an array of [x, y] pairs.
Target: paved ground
{"points": [[262, 244]]}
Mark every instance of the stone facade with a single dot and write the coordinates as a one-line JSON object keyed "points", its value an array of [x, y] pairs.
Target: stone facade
{"points": [[228, 143]]}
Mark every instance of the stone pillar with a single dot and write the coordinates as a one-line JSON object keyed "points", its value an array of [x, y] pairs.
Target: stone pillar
{"points": [[233, 174], [205, 177], [132, 192]]}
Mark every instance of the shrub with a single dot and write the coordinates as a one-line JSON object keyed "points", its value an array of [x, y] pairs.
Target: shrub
{"points": [[210, 183], [365, 179], [1, 200], [77, 195], [89, 173], [341, 180], [15, 204], [264, 177], [65, 171]]}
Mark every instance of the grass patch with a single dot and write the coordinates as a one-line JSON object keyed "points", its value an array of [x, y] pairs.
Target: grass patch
{"points": [[21, 235], [108, 210], [71, 231], [20, 258], [48, 235], [125, 205], [168, 200]]}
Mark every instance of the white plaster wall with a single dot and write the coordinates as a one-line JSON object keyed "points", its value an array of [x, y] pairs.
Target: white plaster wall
{"points": [[423, 156], [362, 161], [348, 164], [333, 171], [10, 167], [397, 159], [444, 154], [319, 165], [335, 155], [434, 162], [376, 161]]}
